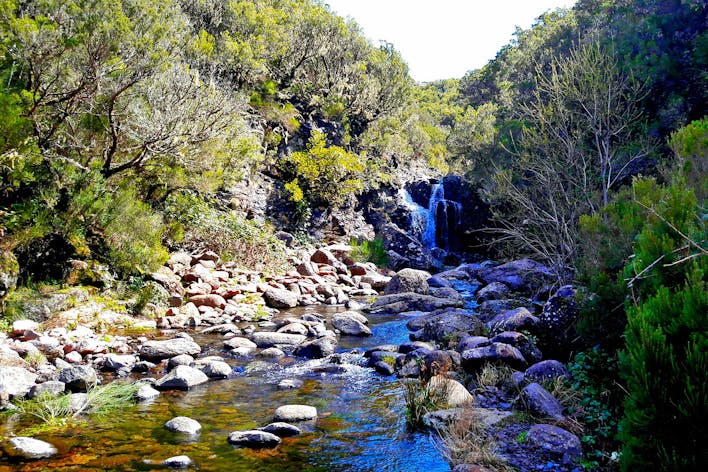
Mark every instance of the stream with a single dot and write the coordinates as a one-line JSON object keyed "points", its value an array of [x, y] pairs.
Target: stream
{"points": [[361, 424]]}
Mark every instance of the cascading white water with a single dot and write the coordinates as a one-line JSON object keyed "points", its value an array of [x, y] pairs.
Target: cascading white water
{"points": [[437, 195], [420, 216]]}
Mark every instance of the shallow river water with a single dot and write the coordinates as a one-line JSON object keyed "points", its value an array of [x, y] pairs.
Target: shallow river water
{"points": [[361, 424]]}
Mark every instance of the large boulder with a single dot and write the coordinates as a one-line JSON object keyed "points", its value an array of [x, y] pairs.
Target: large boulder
{"points": [[524, 275], [408, 280], [182, 377], [473, 359], [518, 319], [78, 378], [295, 413], [158, 350], [351, 324], [556, 323], [265, 339], [493, 291], [317, 348], [539, 401], [280, 298], [403, 302], [521, 342], [16, 381], [450, 392], [253, 439], [445, 326], [28, 448], [546, 371], [555, 442]]}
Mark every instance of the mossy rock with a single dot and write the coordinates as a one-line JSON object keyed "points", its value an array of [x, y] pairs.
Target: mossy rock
{"points": [[9, 271]]}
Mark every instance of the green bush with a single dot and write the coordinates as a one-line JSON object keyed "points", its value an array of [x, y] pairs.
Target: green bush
{"points": [[196, 223], [370, 251]]}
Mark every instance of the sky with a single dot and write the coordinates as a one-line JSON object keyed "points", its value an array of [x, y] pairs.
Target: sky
{"points": [[442, 39]]}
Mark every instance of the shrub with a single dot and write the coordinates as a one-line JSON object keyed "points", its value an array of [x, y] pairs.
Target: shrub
{"points": [[201, 226], [370, 251], [326, 175]]}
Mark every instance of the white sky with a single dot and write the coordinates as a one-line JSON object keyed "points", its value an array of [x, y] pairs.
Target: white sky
{"points": [[441, 39]]}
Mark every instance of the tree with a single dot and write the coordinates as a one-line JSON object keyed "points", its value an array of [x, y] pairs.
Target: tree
{"points": [[580, 133]]}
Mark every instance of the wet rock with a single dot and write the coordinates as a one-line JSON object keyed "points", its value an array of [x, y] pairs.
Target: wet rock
{"points": [[518, 319], [143, 366], [222, 329], [316, 349], [294, 328], [282, 430], [403, 302], [184, 425], [411, 346], [438, 282], [546, 371], [493, 291], [556, 442], [182, 359], [235, 343], [447, 326], [266, 339], [182, 377], [289, 384], [473, 359], [146, 392], [272, 353], [280, 298], [253, 439], [158, 350], [78, 378], [350, 323], [177, 462], [295, 413], [50, 388], [539, 401], [118, 362], [16, 381], [29, 448], [217, 370], [408, 280], [383, 368]]}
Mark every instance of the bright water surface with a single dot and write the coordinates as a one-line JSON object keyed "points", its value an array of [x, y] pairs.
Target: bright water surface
{"points": [[361, 424]]}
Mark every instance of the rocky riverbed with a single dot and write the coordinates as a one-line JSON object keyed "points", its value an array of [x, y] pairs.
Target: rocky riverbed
{"points": [[243, 362]]}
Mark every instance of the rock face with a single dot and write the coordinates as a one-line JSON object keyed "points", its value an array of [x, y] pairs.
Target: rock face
{"points": [[408, 280], [539, 401], [29, 448], [295, 413], [348, 323], [182, 377], [16, 381], [253, 439], [184, 425], [280, 298], [158, 350]]}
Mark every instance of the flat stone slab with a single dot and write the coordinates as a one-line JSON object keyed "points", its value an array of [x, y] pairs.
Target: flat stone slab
{"points": [[158, 350], [29, 448]]}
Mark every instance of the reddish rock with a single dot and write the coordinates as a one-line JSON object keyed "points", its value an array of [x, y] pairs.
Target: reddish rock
{"points": [[211, 300]]}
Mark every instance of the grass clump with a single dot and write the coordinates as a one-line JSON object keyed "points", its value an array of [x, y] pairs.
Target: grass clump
{"points": [[467, 441], [57, 412], [493, 375]]}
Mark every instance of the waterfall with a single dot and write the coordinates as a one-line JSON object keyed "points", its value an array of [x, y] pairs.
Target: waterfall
{"points": [[435, 225]]}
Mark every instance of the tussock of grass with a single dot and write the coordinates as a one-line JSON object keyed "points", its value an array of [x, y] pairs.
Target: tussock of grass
{"points": [[56, 412], [466, 441], [493, 375]]}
